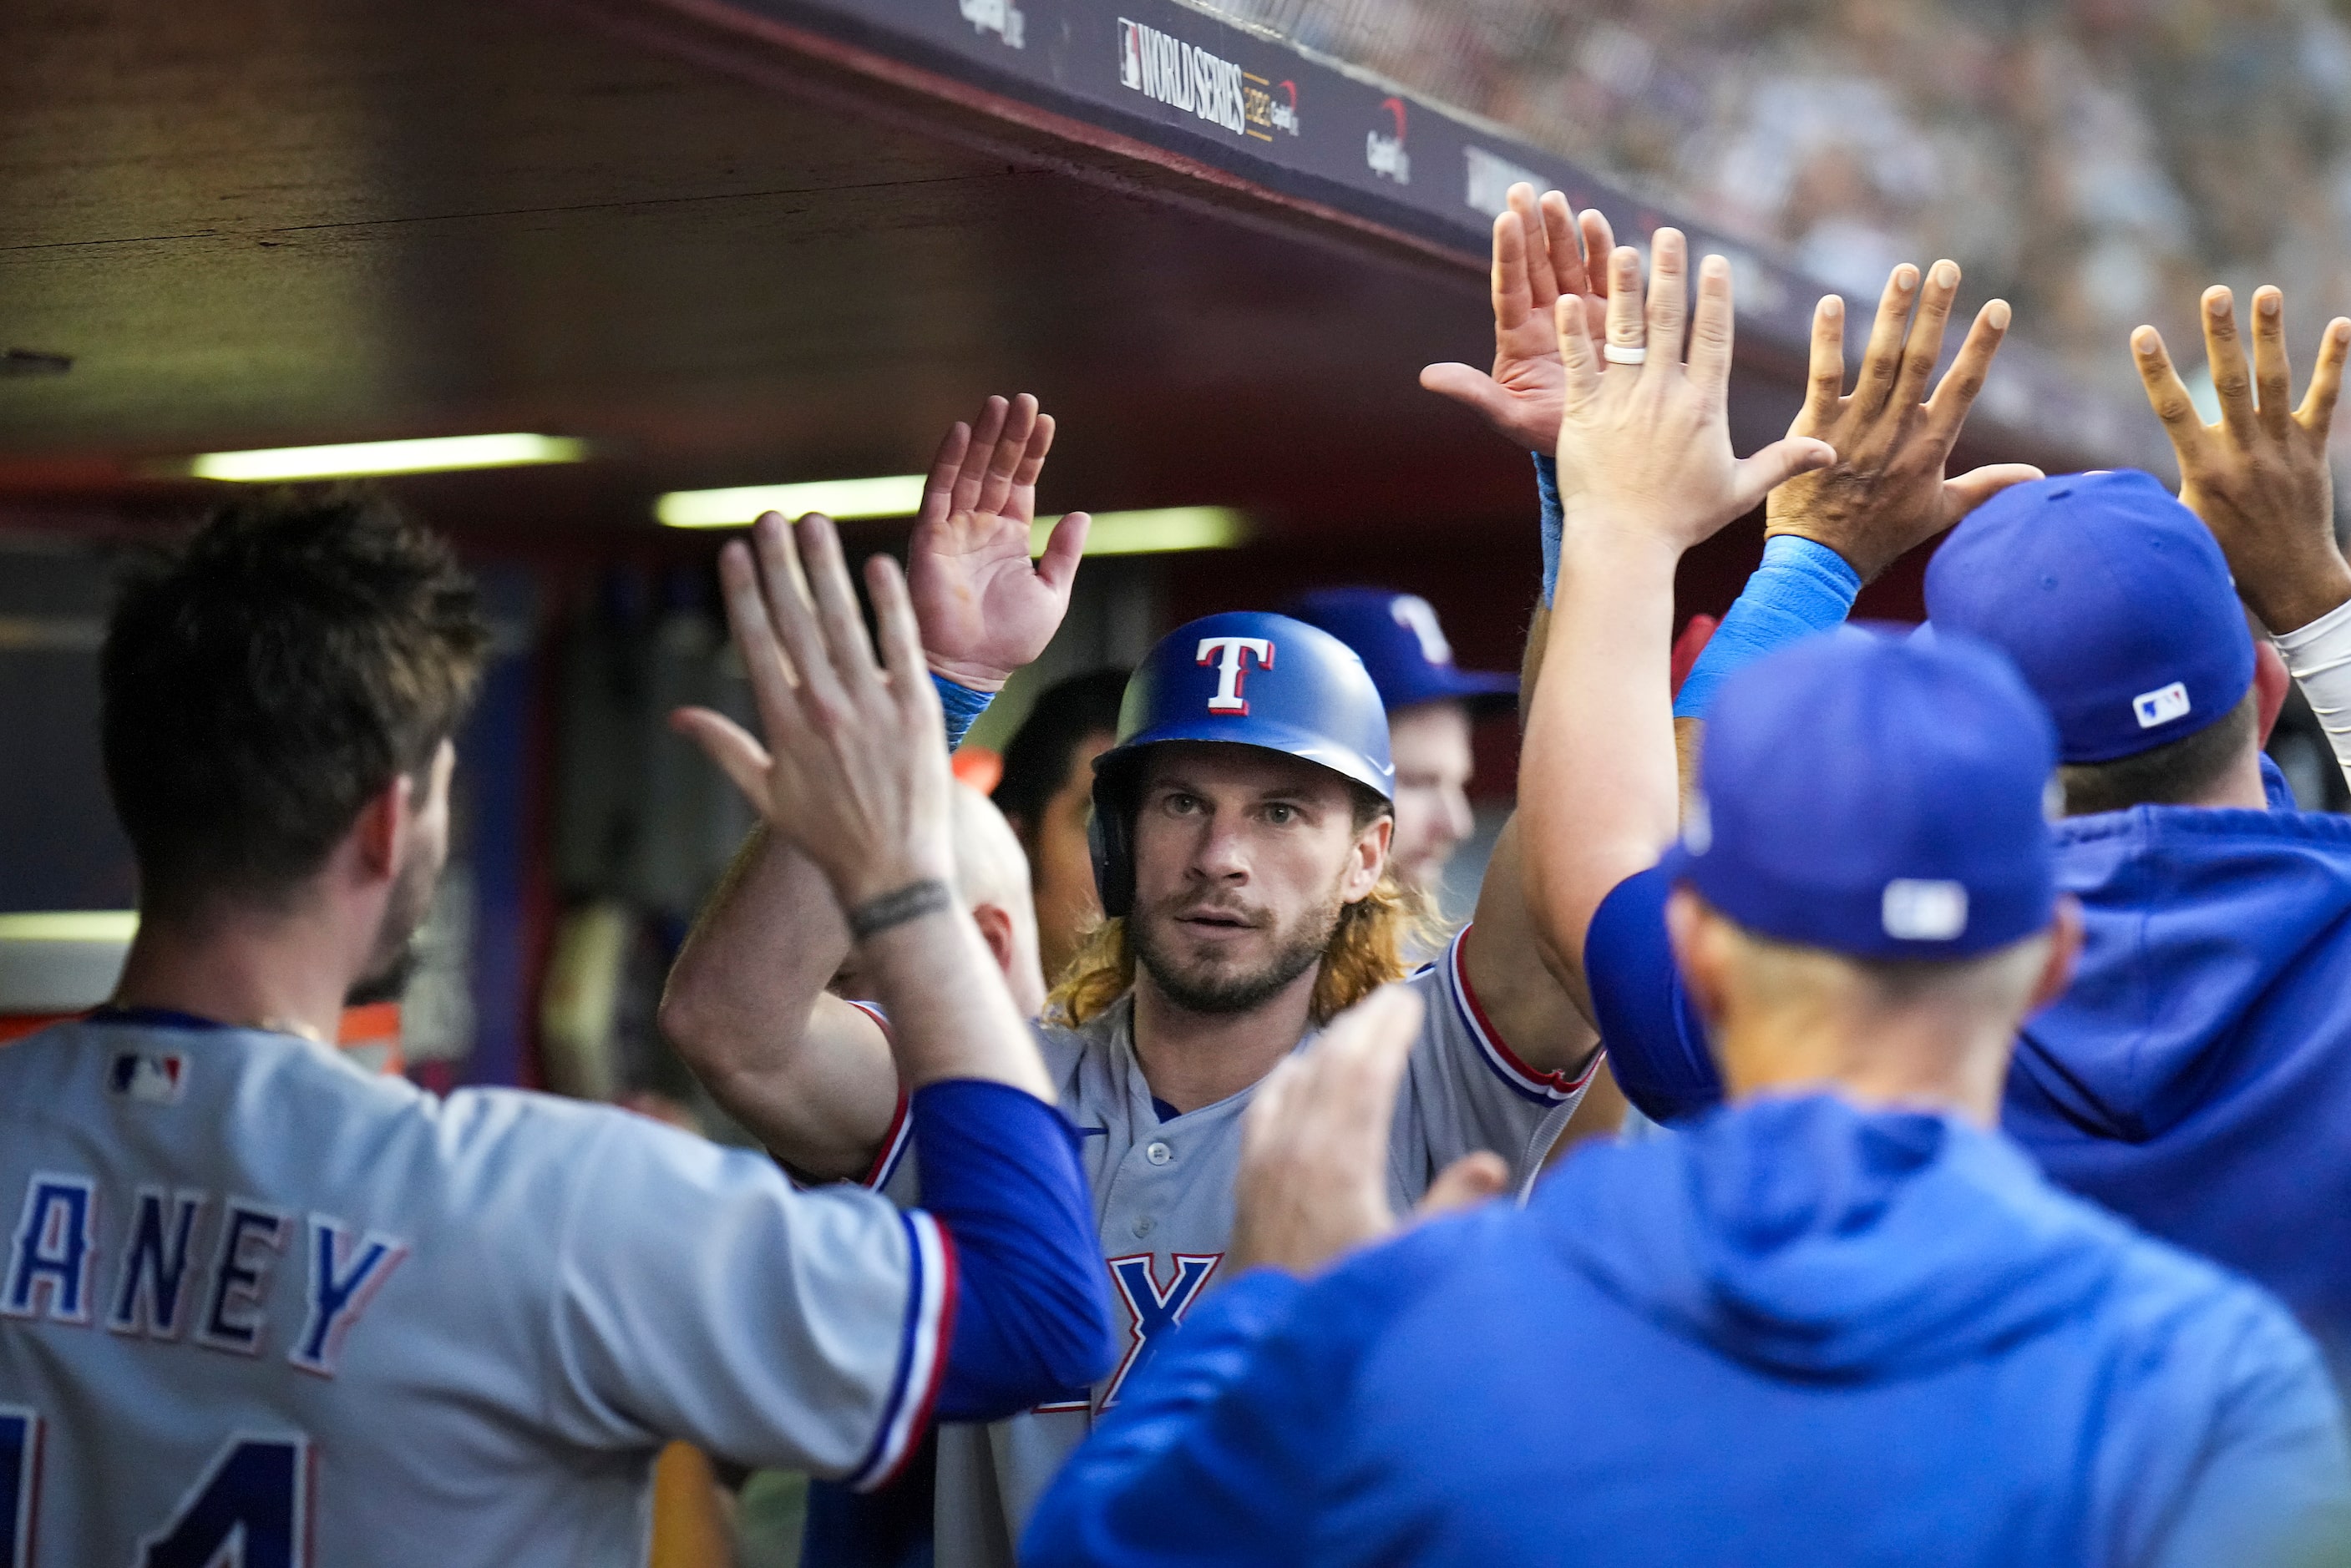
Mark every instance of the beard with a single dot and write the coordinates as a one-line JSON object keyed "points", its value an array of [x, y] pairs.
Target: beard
{"points": [[392, 961], [1221, 983]]}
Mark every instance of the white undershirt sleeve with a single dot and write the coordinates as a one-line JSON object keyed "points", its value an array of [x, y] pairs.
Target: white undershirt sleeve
{"points": [[2318, 656]]}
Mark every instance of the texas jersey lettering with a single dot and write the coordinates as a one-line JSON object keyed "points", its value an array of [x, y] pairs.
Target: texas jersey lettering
{"points": [[260, 1307]]}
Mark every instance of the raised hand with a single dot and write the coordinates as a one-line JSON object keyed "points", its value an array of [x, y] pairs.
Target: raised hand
{"points": [[984, 608], [2258, 479], [1885, 492], [1313, 1181], [1644, 445], [852, 774], [1542, 252]]}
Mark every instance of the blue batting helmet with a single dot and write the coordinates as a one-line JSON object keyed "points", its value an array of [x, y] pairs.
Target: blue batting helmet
{"points": [[1246, 679]]}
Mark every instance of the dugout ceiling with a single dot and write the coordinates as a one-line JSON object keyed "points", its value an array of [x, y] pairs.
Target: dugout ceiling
{"points": [[732, 243]]}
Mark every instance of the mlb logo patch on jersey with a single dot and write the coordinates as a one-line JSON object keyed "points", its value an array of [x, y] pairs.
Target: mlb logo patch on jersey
{"points": [[2160, 706], [157, 1077]]}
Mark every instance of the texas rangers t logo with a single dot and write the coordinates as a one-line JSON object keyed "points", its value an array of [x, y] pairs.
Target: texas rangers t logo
{"points": [[1413, 613], [1231, 667]]}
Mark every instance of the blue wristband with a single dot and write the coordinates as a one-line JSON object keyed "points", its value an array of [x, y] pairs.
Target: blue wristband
{"points": [[962, 705], [1554, 518], [1803, 586]]}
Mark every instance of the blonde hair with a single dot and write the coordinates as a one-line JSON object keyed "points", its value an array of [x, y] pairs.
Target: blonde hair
{"points": [[1780, 974], [1374, 943]]}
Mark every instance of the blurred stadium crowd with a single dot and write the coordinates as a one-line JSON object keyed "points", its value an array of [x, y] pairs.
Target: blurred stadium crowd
{"points": [[2095, 162]]}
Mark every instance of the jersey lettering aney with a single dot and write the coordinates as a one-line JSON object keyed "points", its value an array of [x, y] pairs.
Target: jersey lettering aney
{"points": [[259, 1306], [1164, 1207]]}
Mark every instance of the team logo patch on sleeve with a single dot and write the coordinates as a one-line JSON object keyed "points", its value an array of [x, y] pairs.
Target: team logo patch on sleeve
{"points": [[157, 1077]]}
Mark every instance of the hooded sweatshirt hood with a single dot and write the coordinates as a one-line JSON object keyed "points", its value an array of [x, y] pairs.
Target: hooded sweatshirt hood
{"points": [[2197, 1076], [2199, 926], [1817, 1239]]}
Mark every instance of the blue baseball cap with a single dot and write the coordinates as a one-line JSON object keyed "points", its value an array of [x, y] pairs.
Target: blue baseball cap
{"points": [[1400, 642], [1879, 796], [2113, 600]]}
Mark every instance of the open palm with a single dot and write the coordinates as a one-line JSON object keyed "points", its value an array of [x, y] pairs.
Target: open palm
{"points": [[1541, 252], [1645, 449], [984, 607]]}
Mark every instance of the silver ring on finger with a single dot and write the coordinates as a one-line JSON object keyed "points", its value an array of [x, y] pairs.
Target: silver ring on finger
{"points": [[1622, 354]]}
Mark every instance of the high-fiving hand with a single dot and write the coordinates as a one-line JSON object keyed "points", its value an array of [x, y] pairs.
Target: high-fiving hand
{"points": [[853, 774], [2258, 479], [1885, 492], [1644, 436], [1314, 1182], [1542, 252], [985, 610]]}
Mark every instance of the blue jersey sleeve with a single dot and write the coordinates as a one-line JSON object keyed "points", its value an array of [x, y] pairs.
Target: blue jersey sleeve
{"points": [[1000, 1172], [1207, 1456], [1656, 1043]]}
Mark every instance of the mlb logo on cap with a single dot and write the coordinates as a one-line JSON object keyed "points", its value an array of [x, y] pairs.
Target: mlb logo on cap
{"points": [[1918, 909], [2160, 706]]}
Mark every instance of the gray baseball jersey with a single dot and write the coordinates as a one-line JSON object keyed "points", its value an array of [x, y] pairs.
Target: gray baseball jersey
{"points": [[1163, 1205], [253, 1294]]}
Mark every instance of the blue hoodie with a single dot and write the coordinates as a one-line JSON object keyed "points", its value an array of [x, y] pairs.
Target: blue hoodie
{"points": [[1804, 1333], [2195, 1079]]}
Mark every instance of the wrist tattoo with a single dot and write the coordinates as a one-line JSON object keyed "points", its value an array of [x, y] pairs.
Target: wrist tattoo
{"points": [[911, 902]]}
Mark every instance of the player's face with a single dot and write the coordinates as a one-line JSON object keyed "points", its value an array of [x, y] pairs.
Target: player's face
{"points": [[393, 956], [1062, 867], [1430, 741], [1243, 859]]}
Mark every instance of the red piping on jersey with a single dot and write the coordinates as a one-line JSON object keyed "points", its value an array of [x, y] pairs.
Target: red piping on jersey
{"points": [[894, 1142], [1560, 1082], [950, 1282]]}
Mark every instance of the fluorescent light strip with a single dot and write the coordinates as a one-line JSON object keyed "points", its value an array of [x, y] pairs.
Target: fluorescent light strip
{"points": [[1159, 531], [70, 926], [892, 495], [354, 459]]}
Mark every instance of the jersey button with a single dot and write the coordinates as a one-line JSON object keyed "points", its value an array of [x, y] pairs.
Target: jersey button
{"points": [[1142, 1226], [1158, 1154]]}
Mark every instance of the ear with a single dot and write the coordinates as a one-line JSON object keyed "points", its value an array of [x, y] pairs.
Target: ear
{"points": [[1695, 932], [2064, 950], [995, 923], [380, 836], [1367, 861], [2271, 683]]}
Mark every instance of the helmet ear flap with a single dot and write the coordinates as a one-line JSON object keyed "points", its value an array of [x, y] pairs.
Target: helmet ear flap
{"points": [[1110, 839]]}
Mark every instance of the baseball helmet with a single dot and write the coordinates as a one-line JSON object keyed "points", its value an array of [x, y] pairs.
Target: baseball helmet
{"points": [[1246, 679]]}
